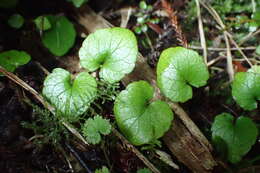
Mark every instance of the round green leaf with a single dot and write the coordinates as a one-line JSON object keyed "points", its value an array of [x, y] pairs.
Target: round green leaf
{"points": [[140, 121], [238, 135], [16, 21], [246, 88], [71, 98], [11, 59], [143, 5], [177, 69], [113, 50], [61, 37], [42, 23]]}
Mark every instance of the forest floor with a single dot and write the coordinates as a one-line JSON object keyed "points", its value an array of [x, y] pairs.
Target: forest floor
{"points": [[32, 142]]}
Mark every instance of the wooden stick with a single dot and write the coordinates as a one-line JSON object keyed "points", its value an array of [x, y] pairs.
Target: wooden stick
{"points": [[138, 153], [201, 31]]}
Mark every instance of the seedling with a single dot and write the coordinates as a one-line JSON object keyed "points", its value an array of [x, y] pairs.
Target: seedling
{"points": [[113, 51], [71, 97], [238, 136], [12, 59], [93, 128], [60, 37], [141, 120], [246, 88], [177, 69]]}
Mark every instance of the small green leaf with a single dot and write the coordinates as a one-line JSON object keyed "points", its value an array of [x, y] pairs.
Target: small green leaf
{"points": [[61, 37], [141, 120], [16, 21], [102, 170], [78, 3], [12, 59], [246, 88], [144, 170], [94, 127], [239, 136], [141, 20], [177, 70], [42, 23], [71, 98], [138, 30], [113, 50], [143, 5]]}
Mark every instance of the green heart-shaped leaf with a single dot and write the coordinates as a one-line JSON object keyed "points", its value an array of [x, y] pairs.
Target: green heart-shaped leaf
{"points": [[61, 37], [246, 88], [113, 50], [239, 136], [177, 69], [140, 121], [71, 98], [12, 59]]}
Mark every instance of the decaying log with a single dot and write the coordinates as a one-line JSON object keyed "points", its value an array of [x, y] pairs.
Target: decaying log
{"points": [[184, 139]]}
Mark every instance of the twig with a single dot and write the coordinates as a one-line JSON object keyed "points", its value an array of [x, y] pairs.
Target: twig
{"points": [[201, 31], [230, 68], [222, 49], [210, 63], [174, 22], [27, 87], [45, 71], [125, 16], [75, 154], [216, 16], [248, 36], [138, 153], [67, 159], [239, 50], [75, 132]]}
